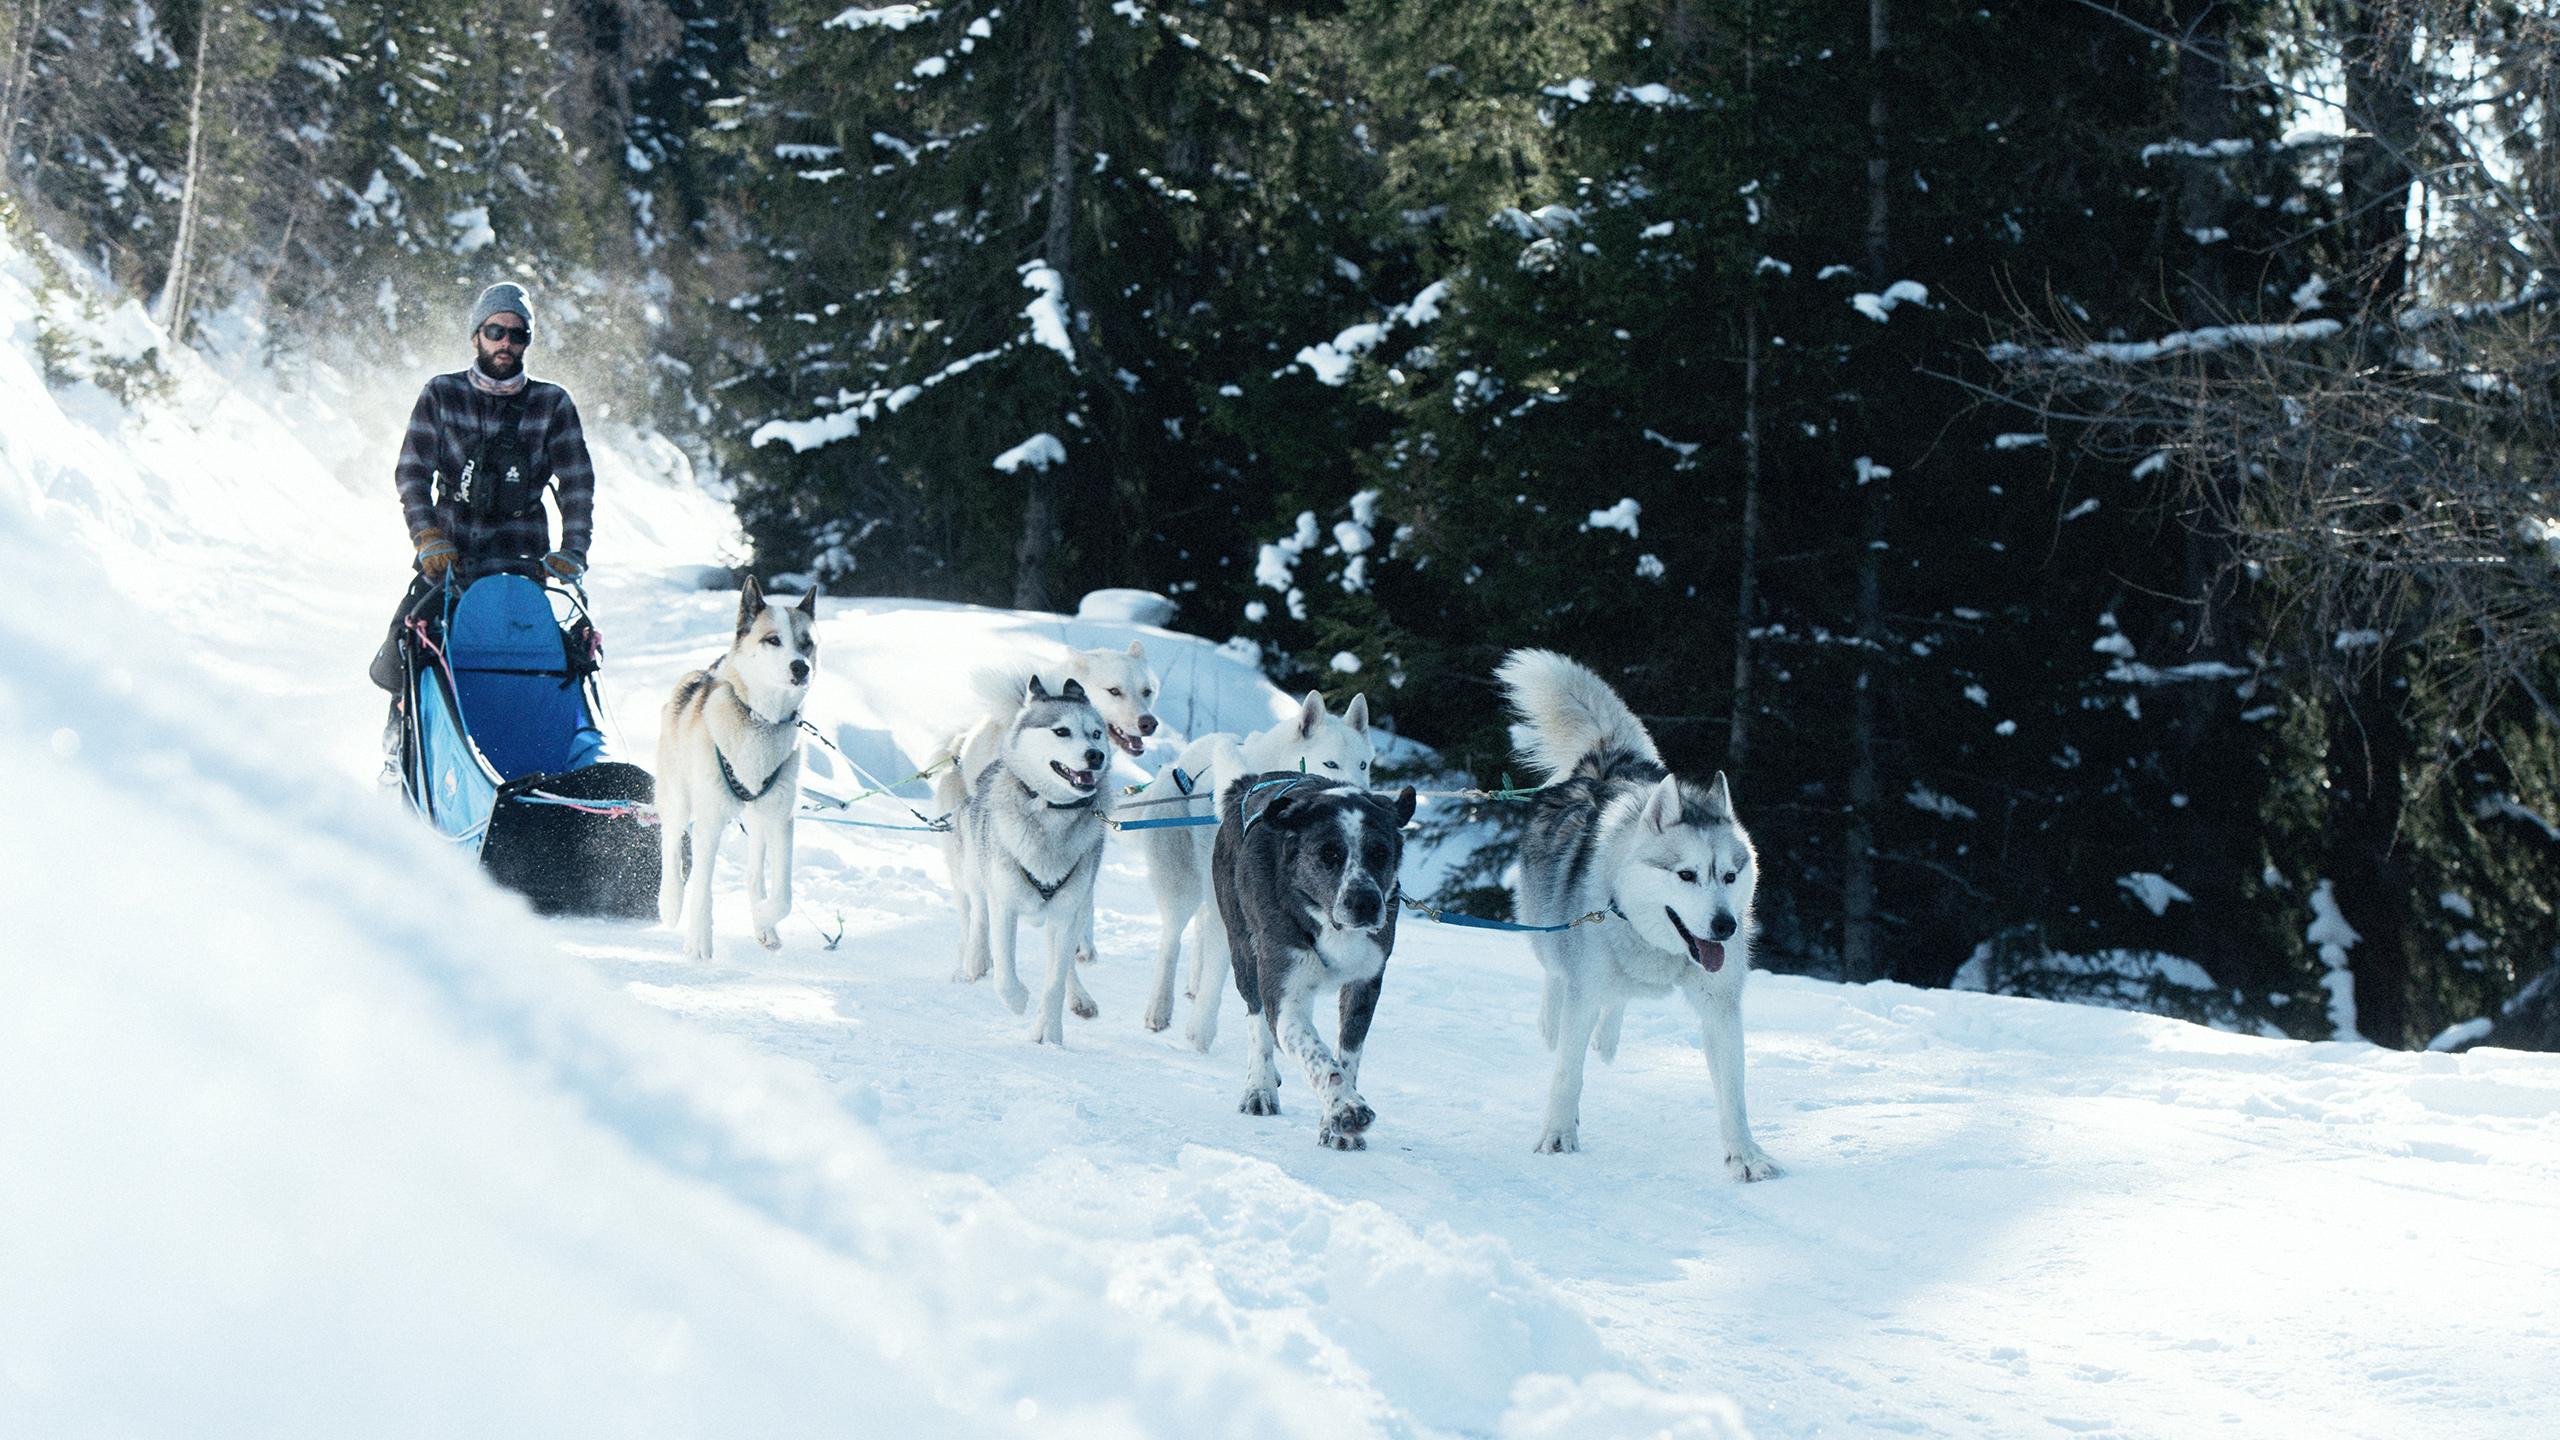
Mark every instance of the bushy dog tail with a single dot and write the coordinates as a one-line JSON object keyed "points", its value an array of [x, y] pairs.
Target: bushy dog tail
{"points": [[1000, 688], [1566, 713]]}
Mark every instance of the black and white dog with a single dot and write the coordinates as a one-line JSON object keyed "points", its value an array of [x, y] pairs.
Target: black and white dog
{"points": [[1664, 859], [1305, 872]]}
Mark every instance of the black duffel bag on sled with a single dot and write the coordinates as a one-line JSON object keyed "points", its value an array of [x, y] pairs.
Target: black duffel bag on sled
{"points": [[502, 746]]}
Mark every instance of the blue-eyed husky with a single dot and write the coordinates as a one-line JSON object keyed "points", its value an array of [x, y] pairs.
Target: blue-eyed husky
{"points": [[1615, 832]]}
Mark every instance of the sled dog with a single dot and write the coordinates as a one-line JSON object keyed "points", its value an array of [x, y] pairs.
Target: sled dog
{"points": [[1026, 844], [1119, 683], [1663, 858], [1305, 871], [1314, 742], [729, 749]]}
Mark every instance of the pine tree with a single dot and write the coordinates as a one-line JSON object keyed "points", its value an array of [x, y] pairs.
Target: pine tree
{"points": [[997, 231]]}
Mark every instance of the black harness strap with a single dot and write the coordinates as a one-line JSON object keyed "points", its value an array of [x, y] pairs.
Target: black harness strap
{"points": [[736, 787], [1050, 892], [746, 796]]}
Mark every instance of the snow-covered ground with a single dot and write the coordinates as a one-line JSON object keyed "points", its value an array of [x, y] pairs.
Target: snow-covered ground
{"points": [[304, 1130]]}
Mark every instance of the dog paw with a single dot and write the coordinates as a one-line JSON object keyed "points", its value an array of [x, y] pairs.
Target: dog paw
{"points": [[1016, 998], [1333, 1138], [769, 938], [1261, 1102], [1084, 956], [1352, 1114], [1045, 1033], [1083, 1006], [1563, 1140], [1159, 1016], [1751, 1164]]}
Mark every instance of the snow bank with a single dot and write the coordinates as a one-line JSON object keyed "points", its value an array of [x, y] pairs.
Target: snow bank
{"points": [[1127, 607]]}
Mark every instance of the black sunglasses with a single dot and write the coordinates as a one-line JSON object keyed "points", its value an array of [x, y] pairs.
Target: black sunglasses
{"points": [[493, 332]]}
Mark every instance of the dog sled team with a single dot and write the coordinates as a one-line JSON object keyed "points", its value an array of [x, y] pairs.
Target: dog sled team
{"points": [[1636, 882]]}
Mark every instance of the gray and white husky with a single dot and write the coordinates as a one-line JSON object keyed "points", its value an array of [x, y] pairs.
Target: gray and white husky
{"points": [[1026, 844], [1307, 894], [1315, 742], [1663, 858], [729, 749], [1120, 683]]}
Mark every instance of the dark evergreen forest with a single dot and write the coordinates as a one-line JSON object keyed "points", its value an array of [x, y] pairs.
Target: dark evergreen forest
{"points": [[2084, 468]]}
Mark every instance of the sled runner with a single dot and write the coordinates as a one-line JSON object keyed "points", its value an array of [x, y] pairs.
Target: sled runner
{"points": [[503, 749]]}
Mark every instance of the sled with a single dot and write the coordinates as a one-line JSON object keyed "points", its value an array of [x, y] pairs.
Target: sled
{"points": [[503, 748]]}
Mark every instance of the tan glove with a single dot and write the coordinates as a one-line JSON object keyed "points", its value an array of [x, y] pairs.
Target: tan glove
{"points": [[435, 553]]}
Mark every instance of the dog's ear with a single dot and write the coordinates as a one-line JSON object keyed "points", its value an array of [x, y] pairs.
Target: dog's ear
{"points": [[1662, 807], [1310, 713], [750, 600], [1036, 690], [1074, 690], [809, 603], [1404, 806], [1274, 801], [1356, 715], [1719, 799], [1289, 809], [1137, 651]]}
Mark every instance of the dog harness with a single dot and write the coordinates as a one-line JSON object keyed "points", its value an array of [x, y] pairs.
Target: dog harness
{"points": [[736, 786], [1050, 892], [739, 789], [1257, 801]]}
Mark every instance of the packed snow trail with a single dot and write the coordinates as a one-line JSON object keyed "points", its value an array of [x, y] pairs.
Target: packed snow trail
{"points": [[309, 1131]]}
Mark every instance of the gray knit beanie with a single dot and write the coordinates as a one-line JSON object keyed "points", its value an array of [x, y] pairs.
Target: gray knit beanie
{"points": [[499, 298]]}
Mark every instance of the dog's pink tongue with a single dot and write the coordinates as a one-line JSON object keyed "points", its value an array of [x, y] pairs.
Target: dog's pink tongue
{"points": [[1708, 953]]}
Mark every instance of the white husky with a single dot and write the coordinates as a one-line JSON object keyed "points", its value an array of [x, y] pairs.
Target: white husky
{"points": [[1315, 741], [1119, 683], [729, 748], [1026, 844], [1664, 860]]}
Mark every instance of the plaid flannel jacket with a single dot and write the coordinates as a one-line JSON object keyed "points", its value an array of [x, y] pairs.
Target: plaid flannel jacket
{"points": [[445, 430]]}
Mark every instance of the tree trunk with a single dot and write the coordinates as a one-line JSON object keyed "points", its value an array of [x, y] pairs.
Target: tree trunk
{"points": [[1860, 959], [2369, 738], [2214, 842], [1860, 956], [13, 83], [175, 299], [1746, 603], [2370, 880], [1035, 558], [2375, 169], [1737, 748]]}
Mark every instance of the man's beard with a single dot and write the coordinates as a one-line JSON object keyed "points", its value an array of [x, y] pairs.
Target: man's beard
{"points": [[499, 365]]}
